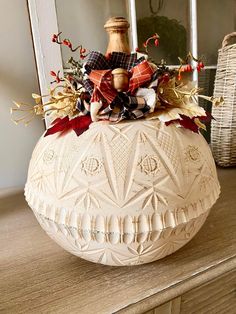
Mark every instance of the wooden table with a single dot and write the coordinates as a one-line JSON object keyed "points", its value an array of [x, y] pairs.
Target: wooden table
{"points": [[37, 276]]}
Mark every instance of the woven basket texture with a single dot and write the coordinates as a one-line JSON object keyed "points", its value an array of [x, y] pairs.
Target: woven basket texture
{"points": [[223, 130]]}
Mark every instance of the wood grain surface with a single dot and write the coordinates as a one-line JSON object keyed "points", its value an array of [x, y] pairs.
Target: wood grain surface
{"points": [[37, 276], [216, 296]]}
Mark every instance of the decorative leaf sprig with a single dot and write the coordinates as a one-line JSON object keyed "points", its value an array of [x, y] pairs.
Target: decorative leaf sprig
{"points": [[61, 103], [28, 112], [194, 93]]}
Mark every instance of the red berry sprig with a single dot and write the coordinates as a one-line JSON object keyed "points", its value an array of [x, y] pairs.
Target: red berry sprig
{"points": [[166, 77], [55, 38], [154, 38], [200, 66], [185, 66], [57, 77], [67, 42]]}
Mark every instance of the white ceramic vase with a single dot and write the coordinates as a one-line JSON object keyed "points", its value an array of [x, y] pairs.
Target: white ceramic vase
{"points": [[122, 194]]}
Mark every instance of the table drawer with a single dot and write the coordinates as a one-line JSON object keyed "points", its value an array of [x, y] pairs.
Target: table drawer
{"points": [[217, 296]]}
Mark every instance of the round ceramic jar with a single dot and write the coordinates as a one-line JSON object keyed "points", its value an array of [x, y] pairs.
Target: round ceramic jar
{"points": [[122, 194]]}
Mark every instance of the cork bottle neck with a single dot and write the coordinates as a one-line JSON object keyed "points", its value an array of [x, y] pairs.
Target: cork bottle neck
{"points": [[117, 29]]}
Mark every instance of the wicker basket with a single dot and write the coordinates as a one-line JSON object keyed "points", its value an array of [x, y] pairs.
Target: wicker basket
{"points": [[223, 131]]}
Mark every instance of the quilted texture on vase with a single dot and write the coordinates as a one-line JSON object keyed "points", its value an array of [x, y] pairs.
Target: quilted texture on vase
{"points": [[122, 194]]}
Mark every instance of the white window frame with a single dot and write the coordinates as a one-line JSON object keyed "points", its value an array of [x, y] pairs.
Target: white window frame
{"points": [[43, 20]]}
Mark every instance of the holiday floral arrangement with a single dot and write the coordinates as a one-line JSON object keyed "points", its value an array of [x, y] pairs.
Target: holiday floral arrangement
{"points": [[119, 86]]}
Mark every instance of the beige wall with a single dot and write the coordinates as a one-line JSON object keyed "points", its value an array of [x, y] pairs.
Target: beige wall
{"points": [[17, 81]]}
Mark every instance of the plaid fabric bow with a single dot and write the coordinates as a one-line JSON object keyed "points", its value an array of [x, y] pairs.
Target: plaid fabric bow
{"points": [[98, 82], [140, 74], [97, 61], [125, 107]]}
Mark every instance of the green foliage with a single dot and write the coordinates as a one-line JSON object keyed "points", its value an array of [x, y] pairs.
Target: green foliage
{"points": [[173, 35]]}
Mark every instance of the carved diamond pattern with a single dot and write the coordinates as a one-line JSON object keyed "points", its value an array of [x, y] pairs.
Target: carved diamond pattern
{"points": [[168, 145], [120, 149]]}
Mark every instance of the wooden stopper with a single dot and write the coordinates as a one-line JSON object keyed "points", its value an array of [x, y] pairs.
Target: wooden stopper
{"points": [[117, 29], [120, 79]]}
